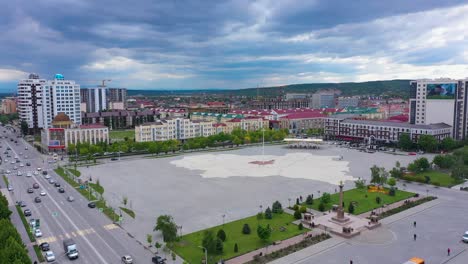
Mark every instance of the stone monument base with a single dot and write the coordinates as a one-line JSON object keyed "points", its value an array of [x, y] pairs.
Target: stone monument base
{"points": [[339, 220]]}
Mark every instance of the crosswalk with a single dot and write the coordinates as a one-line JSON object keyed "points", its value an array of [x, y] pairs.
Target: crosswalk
{"points": [[73, 234]]}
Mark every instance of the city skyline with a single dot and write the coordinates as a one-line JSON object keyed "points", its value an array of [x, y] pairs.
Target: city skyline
{"points": [[238, 44]]}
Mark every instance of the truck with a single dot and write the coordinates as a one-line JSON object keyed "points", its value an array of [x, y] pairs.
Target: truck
{"points": [[70, 248]]}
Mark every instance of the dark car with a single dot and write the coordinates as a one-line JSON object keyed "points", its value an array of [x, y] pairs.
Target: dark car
{"points": [[37, 199], [57, 184], [36, 186], [158, 260], [21, 203], [114, 159], [92, 205], [61, 190], [30, 190], [44, 246], [44, 172], [28, 164], [27, 212]]}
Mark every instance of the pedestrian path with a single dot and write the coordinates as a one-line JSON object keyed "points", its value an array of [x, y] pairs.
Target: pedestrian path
{"points": [[266, 250], [390, 206]]}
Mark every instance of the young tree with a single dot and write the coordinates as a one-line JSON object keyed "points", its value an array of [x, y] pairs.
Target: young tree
{"points": [[24, 127], [157, 245], [326, 198], [209, 241], [360, 184], [300, 226], [125, 201], [297, 214], [221, 235], [277, 208], [309, 199], [375, 175], [448, 144], [236, 248], [391, 182], [166, 224], [405, 142], [264, 233], [383, 176], [422, 164], [259, 216], [268, 214], [396, 173], [149, 239], [246, 229], [321, 207], [219, 246], [351, 208], [173, 255]]}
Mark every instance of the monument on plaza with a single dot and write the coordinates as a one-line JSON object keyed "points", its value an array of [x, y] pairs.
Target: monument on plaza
{"points": [[340, 215]]}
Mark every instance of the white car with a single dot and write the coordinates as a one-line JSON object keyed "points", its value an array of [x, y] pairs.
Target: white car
{"points": [[12, 162], [49, 256], [127, 259], [8, 172], [10, 188], [465, 237], [38, 233], [18, 173], [15, 168], [39, 169], [36, 173], [47, 176], [21, 165], [29, 174], [43, 193]]}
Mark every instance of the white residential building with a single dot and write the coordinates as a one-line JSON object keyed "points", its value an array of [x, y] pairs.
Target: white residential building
{"points": [[30, 101], [61, 95], [177, 128]]}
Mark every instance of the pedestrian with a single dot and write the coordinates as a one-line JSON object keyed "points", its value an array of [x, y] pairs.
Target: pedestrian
{"points": [[351, 261], [448, 252], [414, 224], [414, 236]]}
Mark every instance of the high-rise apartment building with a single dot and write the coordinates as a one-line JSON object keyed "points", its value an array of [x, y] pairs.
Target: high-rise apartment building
{"points": [[95, 99], [117, 98], [61, 96], [8, 105], [323, 100], [440, 100], [30, 101]]}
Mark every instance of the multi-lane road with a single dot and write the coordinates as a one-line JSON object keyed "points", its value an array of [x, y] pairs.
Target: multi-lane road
{"points": [[97, 238]]}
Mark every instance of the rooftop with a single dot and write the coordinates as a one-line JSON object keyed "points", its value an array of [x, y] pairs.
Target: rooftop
{"points": [[396, 124]]}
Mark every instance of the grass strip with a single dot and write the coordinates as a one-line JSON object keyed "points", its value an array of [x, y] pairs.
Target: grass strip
{"points": [[39, 255], [406, 206], [5, 179], [25, 223], [131, 213]]}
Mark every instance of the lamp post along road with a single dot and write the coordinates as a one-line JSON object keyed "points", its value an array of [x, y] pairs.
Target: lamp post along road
{"points": [[206, 254]]}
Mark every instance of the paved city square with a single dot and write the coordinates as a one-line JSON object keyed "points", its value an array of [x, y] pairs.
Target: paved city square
{"points": [[187, 188]]}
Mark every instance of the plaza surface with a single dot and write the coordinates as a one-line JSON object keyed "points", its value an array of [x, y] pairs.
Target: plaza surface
{"points": [[197, 199]]}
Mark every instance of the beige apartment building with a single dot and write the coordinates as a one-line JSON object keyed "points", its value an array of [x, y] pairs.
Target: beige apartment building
{"points": [[177, 128]]}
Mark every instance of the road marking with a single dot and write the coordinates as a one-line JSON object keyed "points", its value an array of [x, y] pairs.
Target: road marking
{"points": [[110, 226], [67, 235], [47, 239], [73, 234]]}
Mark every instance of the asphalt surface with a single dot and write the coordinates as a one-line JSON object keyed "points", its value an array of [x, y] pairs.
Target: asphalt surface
{"points": [[98, 239]]}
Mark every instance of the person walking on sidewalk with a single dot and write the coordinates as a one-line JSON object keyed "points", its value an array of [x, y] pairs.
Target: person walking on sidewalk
{"points": [[351, 261], [448, 252], [414, 237], [414, 224]]}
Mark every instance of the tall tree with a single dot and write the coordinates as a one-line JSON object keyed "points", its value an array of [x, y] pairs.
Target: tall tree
{"points": [[166, 224], [448, 144], [405, 141], [428, 143], [264, 233], [24, 127], [375, 174]]}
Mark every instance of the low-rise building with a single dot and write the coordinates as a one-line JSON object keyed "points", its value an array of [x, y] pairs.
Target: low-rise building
{"points": [[348, 101], [8, 106], [380, 131], [247, 123], [177, 128], [301, 122]]}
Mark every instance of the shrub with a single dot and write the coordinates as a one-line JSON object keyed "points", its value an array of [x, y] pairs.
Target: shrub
{"points": [[321, 207], [326, 198], [295, 207], [300, 226], [260, 216], [427, 179], [246, 229], [297, 214], [436, 183], [221, 235], [351, 208], [378, 199], [236, 248], [268, 214], [310, 199], [392, 192], [303, 209], [297, 201], [219, 246], [277, 208]]}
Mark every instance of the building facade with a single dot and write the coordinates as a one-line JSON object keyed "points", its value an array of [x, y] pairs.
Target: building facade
{"points": [[380, 131], [117, 98], [95, 99], [30, 101], [177, 128], [348, 102], [440, 100], [323, 100], [8, 106]]}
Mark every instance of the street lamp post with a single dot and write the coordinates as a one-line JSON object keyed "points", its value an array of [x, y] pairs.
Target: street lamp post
{"points": [[289, 202], [224, 215], [427, 192], [206, 254]]}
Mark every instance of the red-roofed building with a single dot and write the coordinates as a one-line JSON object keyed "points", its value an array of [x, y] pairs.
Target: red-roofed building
{"points": [[300, 122]]}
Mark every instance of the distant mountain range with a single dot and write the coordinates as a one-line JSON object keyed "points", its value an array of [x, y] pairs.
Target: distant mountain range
{"points": [[391, 88]]}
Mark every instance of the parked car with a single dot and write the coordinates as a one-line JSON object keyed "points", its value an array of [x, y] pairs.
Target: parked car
{"points": [[35, 185], [158, 260], [49, 256], [92, 205], [38, 233], [70, 199], [21, 203], [51, 181], [30, 190], [465, 237], [57, 184], [27, 212], [44, 246], [10, 188], [47, 176], [127, 259], [114, 159], [61, 190]]}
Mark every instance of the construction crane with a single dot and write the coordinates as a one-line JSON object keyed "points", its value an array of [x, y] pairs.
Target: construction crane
{"points": [[104, 82]]}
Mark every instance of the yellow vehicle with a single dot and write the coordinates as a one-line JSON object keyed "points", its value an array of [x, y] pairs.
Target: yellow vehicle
{"points": [[415, 261]]}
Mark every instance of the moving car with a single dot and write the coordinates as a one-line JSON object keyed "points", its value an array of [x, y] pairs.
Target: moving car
{"points": [[21, 165], [44, 246], [8, 171], [19, 173], [35, 185], [38, 233], [10, 188], [61, 190], [158, 260], [92, 205], [70, 199], [44, 172], [37, 199], [51, 181], [465, 237], [39, 169], [28, 164], [27, 212], [29, 174], [57, 184], [36, 173], [49, 256], [127, 259], [21, 203], [43, 193], [47, 176], [30, 190]]}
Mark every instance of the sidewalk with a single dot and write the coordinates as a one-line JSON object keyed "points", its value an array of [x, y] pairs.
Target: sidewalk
{"points": [[285, 243], [391, 206]]}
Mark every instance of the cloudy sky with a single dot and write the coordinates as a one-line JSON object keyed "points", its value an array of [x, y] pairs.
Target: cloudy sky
{"points": [[143, 44]]}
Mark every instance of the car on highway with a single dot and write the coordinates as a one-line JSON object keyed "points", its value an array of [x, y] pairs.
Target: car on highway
{"points": [[127, 259], [37, 233], [35, 185], [8, 148], [92, 205], [21, 203], [44, 246], [35, 173], [51, 181], [26, 148], [49, 256], [27, 212], [12, 162], [8, 171], [10, 187], [15, 168], [70, 199], [158, 260], [19, 173], [47, 176], [27, 163], [30, 190], [43, 193], [113, 159], [21, 165], [29, 174], [44, 172], [61, 190], [37, 199], [465, 237], [57, 184], [39, 169]]}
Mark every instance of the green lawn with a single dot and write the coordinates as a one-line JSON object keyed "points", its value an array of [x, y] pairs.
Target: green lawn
{"points": [[121, 134], [77, 173], [5, 179], [188, 248], [444, 179], [363, 204], [97, 188], [130, 212]]}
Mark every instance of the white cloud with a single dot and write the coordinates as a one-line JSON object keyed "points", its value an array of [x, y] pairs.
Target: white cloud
{"points": [[9, 75]]}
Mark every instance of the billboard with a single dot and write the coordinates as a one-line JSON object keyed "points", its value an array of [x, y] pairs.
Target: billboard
{"points": [[441, 91]]}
